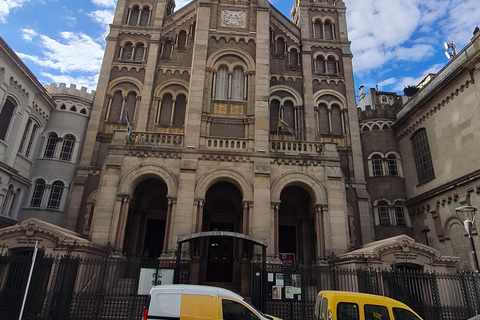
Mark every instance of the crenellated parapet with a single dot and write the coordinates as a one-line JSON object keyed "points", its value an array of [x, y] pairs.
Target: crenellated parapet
{"points": [[72, 90], [379, 111]]}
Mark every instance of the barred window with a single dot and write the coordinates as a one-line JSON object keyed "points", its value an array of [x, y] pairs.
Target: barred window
{"points": [[51, 146], [399, 214], [423, 158], [55, 195], [392, 165], [144, 16], [134, 16], [139, 52], [67, 148], [383, 214], [328, 30], [377, 166], [320, 65], [331, 65], [127, 51], [38, 194], [318, 29]]}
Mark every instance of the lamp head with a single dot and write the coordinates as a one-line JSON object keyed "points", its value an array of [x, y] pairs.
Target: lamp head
{"points": [[466, 213]]}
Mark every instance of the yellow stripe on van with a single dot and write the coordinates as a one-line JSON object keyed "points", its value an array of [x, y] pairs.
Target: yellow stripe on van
{"points": [[195, 307]]}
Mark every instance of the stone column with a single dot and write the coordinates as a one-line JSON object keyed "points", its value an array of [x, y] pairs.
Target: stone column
{"points": [[275, 207], [168, 224], [199, 222], [319, 228], [122, 220], [245, 217]]}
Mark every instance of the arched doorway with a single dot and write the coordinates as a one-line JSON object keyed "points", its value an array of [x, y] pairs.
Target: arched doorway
{"points": [[222, 212], [296, 224], [145, 230]]}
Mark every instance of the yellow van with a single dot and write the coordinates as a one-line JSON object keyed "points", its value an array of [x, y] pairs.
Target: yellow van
{"points": [[342, 305], [195, 302]]}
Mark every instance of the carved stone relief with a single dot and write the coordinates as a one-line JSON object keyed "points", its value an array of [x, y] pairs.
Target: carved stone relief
{"points": [[233, 18]]}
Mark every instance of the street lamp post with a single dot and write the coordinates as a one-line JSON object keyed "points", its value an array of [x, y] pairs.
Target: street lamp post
{"points": [[466, 214]]}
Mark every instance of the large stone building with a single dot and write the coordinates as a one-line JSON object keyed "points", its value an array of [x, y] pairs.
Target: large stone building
{"points": [[242, 121]]}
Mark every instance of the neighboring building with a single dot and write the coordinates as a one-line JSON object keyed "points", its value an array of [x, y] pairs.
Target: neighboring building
{"points": [[42, 131], [438, 131], [421, 157]]}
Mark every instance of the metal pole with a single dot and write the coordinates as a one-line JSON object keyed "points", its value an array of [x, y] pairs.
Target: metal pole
{"points": [[29, 278], [474, 253]]}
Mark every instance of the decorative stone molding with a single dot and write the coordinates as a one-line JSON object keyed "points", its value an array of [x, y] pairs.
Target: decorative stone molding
{"points": [[233, 18]]}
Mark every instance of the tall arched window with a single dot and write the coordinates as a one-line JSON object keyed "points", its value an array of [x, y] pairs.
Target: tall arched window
{"points": [[331, 65], [134, 13], [274, 115], [144, 16], [25, 135], [5, 117], [423, 158], [400, 214], [182, 39], [288, 115], [392, 165], [38, 192], [337, 126], [131, 105], [31, 140], [318, 29], [377, 165], [55, 195], [166, 111], [237, 84], [139, 52], [179, 112], [320, 64], [328, 30], [280, 45], [51, 146], [67, 148], [167, 50], [221, 85], [323, 121], [383, 215], [293, 57], [127, 51], [116, 107]]}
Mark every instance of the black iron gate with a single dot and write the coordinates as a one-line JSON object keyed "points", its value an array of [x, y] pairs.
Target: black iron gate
{"points": [[433, 296]]}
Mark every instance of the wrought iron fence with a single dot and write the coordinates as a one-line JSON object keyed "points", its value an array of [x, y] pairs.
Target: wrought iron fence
{"points": [[433, 296], [70, 288]]}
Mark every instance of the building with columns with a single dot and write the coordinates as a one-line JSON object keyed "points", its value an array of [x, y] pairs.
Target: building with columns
{"points": [[242, 121]]}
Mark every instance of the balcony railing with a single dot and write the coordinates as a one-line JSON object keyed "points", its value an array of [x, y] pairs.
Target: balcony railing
{"points": [[154, 139], [226, 144], [296, 147]]}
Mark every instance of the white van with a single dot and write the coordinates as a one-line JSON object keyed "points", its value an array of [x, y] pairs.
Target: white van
{"points": [[195, 302]]}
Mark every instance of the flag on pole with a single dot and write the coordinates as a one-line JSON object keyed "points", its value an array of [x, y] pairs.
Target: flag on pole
{"points": [[282, 123], [127, 118]]}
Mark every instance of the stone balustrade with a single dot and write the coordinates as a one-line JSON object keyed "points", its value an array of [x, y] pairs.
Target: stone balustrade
{"points": [[296, 147], [226, 144]]}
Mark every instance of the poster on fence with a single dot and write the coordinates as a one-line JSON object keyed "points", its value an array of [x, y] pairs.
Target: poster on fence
{"points": [[150, 277]]}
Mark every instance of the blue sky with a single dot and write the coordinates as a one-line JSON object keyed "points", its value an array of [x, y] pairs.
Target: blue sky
{"points": [[395, 43]]}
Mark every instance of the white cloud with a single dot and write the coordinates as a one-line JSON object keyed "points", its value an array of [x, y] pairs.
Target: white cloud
{"points": [[90, 82], [28, 34], [7, 5], [105, 3], [77, 52], [104, 18]]}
